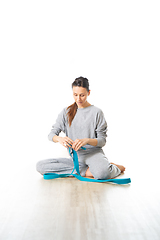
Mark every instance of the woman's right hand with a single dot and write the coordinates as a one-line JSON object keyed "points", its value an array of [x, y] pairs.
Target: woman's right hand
{"points": [[64, 141]]}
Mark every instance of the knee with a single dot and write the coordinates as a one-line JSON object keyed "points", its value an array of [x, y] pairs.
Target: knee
{"points": [[39, 167], [102, 174]]}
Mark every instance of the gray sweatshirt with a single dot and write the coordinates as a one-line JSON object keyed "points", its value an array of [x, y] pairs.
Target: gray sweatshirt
{"points": [[88, 122]]}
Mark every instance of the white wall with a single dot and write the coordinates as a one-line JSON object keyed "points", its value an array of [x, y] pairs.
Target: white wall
{"points": [[45, 45]]}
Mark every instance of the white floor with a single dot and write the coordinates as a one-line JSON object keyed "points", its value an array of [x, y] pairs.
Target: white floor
{"points": [[35, 209]]}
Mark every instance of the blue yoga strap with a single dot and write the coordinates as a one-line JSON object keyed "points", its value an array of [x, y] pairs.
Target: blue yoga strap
{"points": [[74, 156]]}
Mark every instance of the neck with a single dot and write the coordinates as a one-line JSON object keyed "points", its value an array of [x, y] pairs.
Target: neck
{"points": [[87, 104]]}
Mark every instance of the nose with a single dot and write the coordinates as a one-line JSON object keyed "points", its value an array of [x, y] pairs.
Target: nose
{"points": [[79, 98]]}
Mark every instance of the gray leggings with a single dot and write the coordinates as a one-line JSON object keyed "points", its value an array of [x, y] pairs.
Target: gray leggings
{"points": [[96, 160]]}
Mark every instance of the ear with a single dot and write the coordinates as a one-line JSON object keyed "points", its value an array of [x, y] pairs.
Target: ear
{"points": [[89, 92]]}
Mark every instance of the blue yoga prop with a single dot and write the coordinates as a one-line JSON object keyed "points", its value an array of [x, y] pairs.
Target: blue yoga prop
{"points": [[74, 156]]}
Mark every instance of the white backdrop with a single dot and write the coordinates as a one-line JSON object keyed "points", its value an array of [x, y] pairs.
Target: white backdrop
{"points": [[45, 45]]}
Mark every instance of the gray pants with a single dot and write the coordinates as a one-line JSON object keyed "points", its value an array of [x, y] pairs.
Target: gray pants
{"points": [[96, 160]]}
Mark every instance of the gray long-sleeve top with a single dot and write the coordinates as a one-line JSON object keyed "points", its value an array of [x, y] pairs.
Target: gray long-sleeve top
{"points": [[88, 122]]}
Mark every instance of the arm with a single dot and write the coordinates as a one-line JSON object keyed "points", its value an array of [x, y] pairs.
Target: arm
{"points": [[58, 127], [92, 142], [101, 129], [56, 139]]}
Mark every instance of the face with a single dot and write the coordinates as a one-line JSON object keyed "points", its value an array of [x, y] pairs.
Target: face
{"points": [[80, 95]]}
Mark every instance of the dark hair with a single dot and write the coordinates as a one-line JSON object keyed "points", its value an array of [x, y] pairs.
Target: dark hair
{"points": [[81, 82], [72, 109]]}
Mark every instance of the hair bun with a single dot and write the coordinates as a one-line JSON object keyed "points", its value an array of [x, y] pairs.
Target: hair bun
{"points": [[81, 82]]}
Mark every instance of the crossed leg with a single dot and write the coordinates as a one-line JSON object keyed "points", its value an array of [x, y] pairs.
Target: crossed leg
{"points": [[90, 175]]}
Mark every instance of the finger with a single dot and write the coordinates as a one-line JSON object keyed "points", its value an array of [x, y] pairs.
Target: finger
{"points": [[78, 146], [65, 145], [69, 145], [74, 146], [75, 143], [69, 141]]}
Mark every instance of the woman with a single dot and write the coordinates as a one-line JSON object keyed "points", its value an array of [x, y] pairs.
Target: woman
{"points": [[84, 125]]}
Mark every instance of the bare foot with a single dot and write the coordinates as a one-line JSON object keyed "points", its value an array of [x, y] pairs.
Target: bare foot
{"points": [[88, 174], [122, 168]]}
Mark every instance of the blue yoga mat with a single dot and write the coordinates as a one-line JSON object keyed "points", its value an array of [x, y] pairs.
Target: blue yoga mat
{"points": [[74, 156]]}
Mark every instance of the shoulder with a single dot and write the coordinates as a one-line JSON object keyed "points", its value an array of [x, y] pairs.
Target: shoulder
{"points": [[97, 110], [63, 113], [99, 115]]}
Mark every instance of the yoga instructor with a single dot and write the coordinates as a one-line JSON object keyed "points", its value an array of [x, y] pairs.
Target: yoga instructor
{"points": [[84, 125]]}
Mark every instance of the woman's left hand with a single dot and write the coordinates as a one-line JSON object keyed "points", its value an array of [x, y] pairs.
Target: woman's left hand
{"points": [[78, 143]]}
